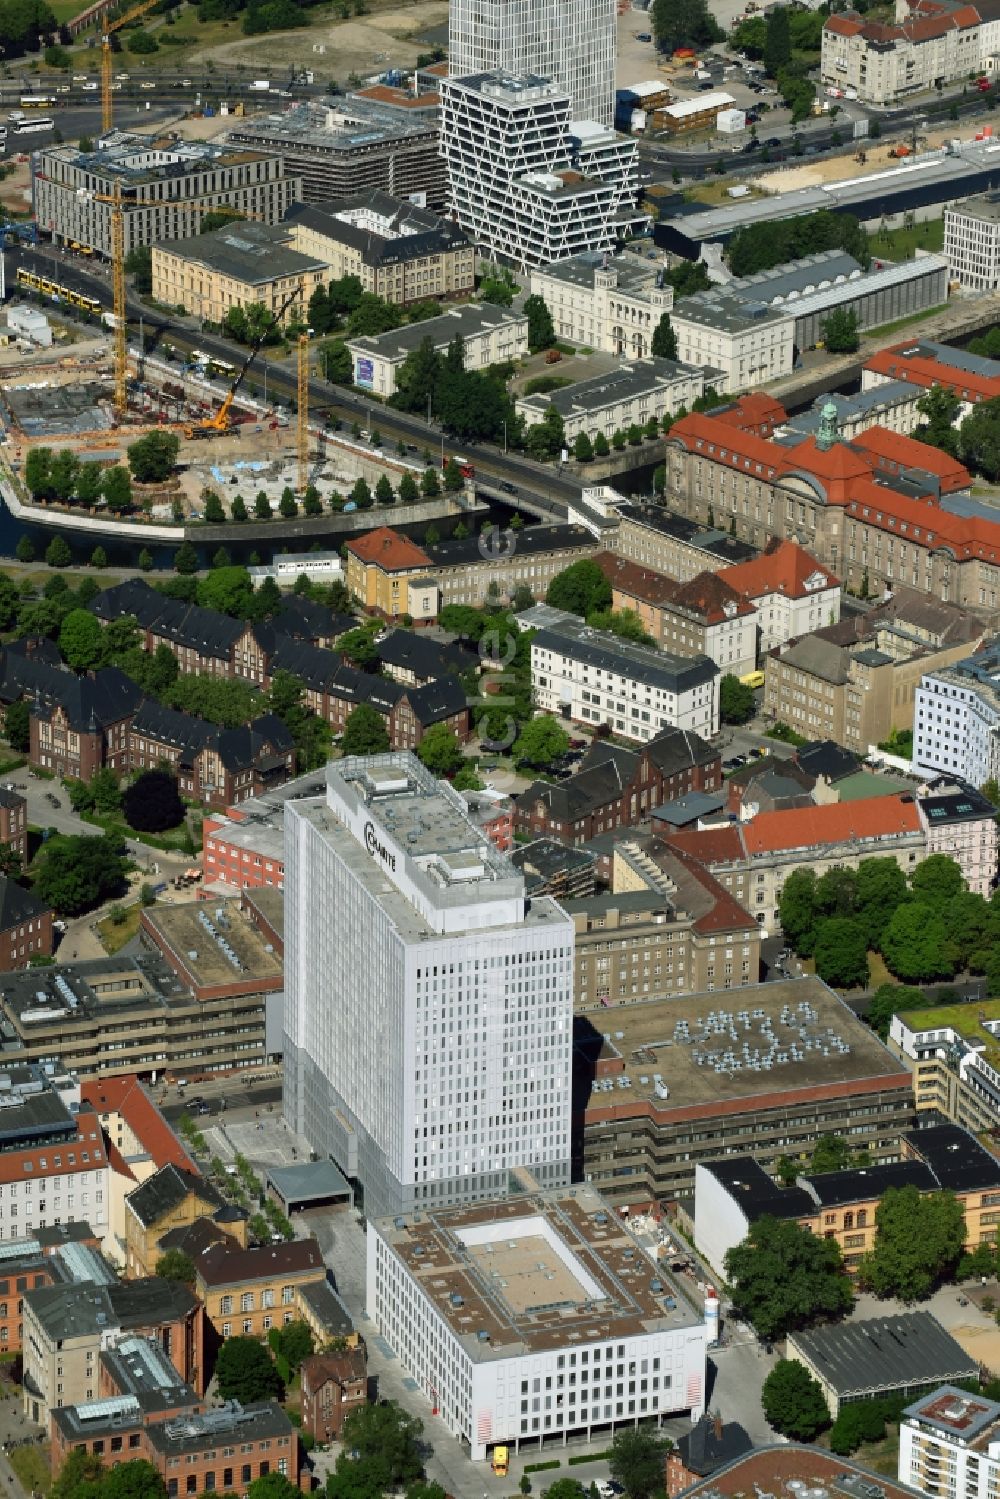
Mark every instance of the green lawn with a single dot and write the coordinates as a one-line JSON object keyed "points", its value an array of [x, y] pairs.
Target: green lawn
{"points": [[115, 934], [900, 244], [903, 322], [31, 1464]]}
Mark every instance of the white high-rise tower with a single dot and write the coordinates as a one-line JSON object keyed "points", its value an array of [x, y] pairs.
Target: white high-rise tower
{"points": [[571, 42], [428, 1003]]}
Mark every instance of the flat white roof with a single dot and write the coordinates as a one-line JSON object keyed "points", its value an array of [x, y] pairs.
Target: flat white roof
{"points": [[717, 100]]}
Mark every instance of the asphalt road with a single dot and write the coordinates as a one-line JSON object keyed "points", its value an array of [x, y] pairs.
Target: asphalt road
{"points": [[548, 490]]}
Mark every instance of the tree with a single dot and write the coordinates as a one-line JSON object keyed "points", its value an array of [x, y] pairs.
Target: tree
{"points": [[540, 742], [295, 1342], [365, 732], [116, 487], [152, 803], [79, 1475], [979, 439], [793, 1401], [545, 439], [174, 1264], [498, 286], [408, 491], [879, 887], [439, 750], [245, 1372], [153, 457], [541, 329], [337, 364], [57, 553], [915, 943], [273, 1486], [99, 558], [939, 407], [25, 549], [841, 953], [238, 509], [361, 495], [777, 43], [937, 880], [287, 506], [209, 222], [387, 1441], [918, 1243], [760, 246], [80, 639], [797, 910], [623, 622], [429, 484], [453, 477], [840, 328], [214, 513], [832, 1153], [664, 341], [737, 703], [583, 448], [139, 265], [372, 316], [186, 559], [261, 506], [636, 1461], [887, 1001], [136, 1479], [783, 1277], [679, 22], [17, 721], [580, 588], [384, 493], [77, 873], [228, 590]]}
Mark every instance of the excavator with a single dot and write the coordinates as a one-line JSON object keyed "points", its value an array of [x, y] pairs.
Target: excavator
{"points": [[218, 425]]}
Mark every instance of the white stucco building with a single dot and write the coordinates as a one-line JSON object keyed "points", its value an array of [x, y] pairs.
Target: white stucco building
{"points": [[526, 181], [956, 720], [949, 1445], [972, 241], [618, 399], [792, 592], [534, 1317], [490, 335], [428, 1003], [608, 302], [572, 42], [594, 677]]}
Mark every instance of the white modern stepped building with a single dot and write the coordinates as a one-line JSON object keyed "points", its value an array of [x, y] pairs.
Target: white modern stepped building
{"points": [[428, 1002], [572, 42], [526, 182]]}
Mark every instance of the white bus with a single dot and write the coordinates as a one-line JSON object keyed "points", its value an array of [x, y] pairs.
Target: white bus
{"points": [[31, 124]]}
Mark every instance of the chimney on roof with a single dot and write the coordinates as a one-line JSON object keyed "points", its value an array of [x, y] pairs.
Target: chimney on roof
{"points": [[718, 1426]]}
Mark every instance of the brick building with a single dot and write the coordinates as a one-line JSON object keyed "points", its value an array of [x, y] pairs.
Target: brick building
{"points": [[25, 926], [67, 1326], [80, 724], [333, 1385], [617, 788], [195, 1450], [217, 767], [14, 823]]}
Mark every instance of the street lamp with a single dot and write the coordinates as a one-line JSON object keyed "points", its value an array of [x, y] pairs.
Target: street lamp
{"points": [[505, 439]]}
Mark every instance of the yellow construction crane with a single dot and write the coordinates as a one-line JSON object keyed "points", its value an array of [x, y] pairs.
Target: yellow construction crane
{"points": [[118, 292], [219, 423], [302, 433], [106, 54]]}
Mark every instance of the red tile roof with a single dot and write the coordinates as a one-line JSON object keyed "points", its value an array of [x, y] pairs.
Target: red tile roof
{"points": [[923, 369], [774, 1468], [924, 522], [388, 549], [783, 567], [26, 1165], [815, 827], [756, 412], [721, 845], [704, 596], [844, 25], [891, 452], [126, 1096], [726, 914], [222, 1264]]}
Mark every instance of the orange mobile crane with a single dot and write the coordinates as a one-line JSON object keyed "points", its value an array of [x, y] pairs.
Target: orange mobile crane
{"points": [[218, 424]]}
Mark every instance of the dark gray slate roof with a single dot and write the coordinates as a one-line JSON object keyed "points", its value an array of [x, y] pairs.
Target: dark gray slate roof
{"points": [[884, 1353]]}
